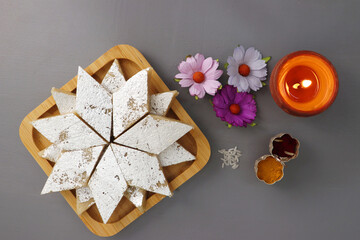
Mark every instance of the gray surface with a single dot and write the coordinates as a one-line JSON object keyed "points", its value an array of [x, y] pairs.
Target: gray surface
{"points": [[43, 42]]}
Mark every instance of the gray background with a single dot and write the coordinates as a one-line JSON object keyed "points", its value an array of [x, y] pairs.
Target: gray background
{"points": [[43, 42]]}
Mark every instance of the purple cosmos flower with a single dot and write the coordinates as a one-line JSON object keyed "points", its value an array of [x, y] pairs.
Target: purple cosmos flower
{"points": [[200, 75], [236, 108], [246, 69]]}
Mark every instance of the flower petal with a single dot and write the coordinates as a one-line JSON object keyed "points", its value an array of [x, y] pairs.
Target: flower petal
{"points": [[232, 70], [233, 80], [213, 67], [248, 115], [257, 65], [224, 95], [193, 90], [221, 112], [193, 64], [201, 90], [197, 90], [186, 82], [237, 83], [250, 106], [249, 99], [207, 64], [239, 121], [244, 84], [241, 98], [239, 54], [231, 61], [251, 55], [259, 73], [185, 67], [218, 102], [199, 60], [254, 83], [183, 75], [211, 86], [228, 93], [230, 118], [213, 75]]}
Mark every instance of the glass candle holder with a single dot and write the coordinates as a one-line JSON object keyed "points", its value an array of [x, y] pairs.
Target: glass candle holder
{"points": [[304, 83]]}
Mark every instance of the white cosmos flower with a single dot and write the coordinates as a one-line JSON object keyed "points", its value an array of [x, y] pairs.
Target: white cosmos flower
{"points": [[246, 69]]}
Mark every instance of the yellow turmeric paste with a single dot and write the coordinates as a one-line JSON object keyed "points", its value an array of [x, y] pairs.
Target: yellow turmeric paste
{"points": [[270, 170]]}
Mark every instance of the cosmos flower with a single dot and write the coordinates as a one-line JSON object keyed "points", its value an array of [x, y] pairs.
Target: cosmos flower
{"points": [[236, 108], [200, 74], [246, 69]]}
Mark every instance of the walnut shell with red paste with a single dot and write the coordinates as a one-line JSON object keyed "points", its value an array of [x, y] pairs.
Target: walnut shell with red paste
{"points": [[284, 147]]}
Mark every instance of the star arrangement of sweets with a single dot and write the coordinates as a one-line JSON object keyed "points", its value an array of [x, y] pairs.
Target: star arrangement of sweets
{"points": [[111, 141]]}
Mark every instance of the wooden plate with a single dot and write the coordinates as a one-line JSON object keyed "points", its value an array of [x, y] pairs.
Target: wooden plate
{"points": [[131, 61]]}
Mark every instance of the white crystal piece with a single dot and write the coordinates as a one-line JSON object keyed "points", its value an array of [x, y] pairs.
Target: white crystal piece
{"points": [[84, 199], [160, 103], [72, 170], [175, 154], [68, 132], [136, 196], [131, 102], [94, 104], [107, 185], [114, 78], [51, 153], [65, 100], [84, 194], [141, 169], [153, 134]]}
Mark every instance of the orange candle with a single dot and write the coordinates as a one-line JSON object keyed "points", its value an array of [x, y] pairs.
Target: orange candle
{"points": [[304, 83]]}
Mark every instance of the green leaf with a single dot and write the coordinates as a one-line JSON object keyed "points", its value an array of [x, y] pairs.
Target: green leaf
{"points": [[221, 86], [196, 98], [252, 124], [177, 80], [229, 125], [266, 59], [217, 60], [263, 83], [226, 65]]}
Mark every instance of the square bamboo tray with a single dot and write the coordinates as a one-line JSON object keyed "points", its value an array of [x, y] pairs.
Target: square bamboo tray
{"points": [[131, 61]]}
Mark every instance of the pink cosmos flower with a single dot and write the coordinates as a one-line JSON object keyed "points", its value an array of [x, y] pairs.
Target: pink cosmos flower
{"points": [[200, 74]]}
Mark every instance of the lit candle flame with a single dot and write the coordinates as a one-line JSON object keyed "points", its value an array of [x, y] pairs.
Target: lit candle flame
{"points": [[304, 83], [296, 85]]}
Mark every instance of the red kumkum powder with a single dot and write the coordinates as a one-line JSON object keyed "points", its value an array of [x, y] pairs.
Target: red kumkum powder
{"points": [[285, 146]]}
